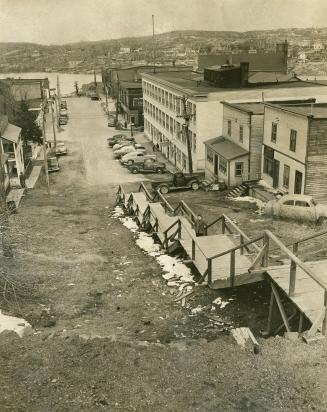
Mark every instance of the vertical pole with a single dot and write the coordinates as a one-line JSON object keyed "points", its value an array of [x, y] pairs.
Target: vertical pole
{"points": [[241, 243], [324, 322], [223, 225], [193, 249], [265, 258], [179, 229], [291, 290], [300, 322], [186, 117], [232, 268], [209, 271], [271, 312], [53, 126], [45, 151], [153, 46]]}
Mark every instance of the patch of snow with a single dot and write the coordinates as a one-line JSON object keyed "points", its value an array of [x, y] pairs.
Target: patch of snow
{"points": [[146, 243], [198, 309], [257, 220], [130, 224], [260, 204], [17, 325], [267, 186], [117, 212], [221, 303]]}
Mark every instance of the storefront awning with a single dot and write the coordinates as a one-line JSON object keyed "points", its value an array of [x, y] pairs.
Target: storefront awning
{"points": [[226, 148], [12, 133]]}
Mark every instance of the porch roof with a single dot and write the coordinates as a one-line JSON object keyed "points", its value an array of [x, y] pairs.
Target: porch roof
{"points": [[12, 133], [226, 148]]}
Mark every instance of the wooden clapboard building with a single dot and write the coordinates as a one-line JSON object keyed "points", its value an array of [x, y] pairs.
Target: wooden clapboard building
{"points": [[295, 149]]}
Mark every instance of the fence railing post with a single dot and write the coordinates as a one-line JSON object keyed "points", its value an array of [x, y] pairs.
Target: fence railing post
{"points": [[241, 243], [324, 322], [223, 225], [232, 268], [179, 229], [193, 249], [265, 257], [209, 271], [291, 290]]}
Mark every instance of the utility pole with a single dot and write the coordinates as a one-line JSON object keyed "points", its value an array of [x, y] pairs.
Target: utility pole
{"points": [[187, 117], [58, 92], [117, 101], [53, 124], [95, 78], [45, 149], [153, 46]]}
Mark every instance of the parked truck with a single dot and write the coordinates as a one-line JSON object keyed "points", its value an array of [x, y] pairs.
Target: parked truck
{"points": [[177, 181]]}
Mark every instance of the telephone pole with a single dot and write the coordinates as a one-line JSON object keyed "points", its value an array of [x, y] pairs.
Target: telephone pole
{"points": [[53, 124], [153, 46], [187, 117], [45, 149], [117, 101]]}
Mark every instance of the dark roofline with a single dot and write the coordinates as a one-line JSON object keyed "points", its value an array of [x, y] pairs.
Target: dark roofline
{"points": [[289, 110], [240, 108]]}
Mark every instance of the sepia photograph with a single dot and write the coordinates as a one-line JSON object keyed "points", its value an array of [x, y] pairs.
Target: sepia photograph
{"points": [[163, 205]]}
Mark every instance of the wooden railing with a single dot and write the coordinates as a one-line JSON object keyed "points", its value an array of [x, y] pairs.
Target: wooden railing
{"points": [[263, 257]]}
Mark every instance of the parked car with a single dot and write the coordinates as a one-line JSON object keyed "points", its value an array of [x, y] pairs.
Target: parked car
{"points": [[95, 96], [121, 144], [61, 149], [124, 150], [119, 139], [63, 120], [63, 105], [111, 122], [53, 164], [297, 207], [147, 166], [178, 180], [138, 157]]}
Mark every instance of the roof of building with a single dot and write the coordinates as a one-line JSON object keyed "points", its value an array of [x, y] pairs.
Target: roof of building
{"points": [[274, 62], [251, 108], [192, 83], [131, 85], [12, 133], [271, 77], [226, 148], [317, 111]]}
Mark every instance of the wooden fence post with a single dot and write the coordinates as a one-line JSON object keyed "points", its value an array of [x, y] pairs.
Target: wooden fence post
{"points": [[193, 249], [223, 225], [209, 271], [241, 243], [232, 268], [291, 290], [265, 258]]}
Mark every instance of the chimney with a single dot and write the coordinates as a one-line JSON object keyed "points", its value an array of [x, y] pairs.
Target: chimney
{"points": [[244, 68]]}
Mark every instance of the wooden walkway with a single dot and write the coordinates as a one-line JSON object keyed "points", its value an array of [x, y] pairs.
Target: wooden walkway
{"points": [[229, 269], [308, 296]]}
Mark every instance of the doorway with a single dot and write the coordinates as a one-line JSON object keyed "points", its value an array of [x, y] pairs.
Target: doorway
{"points": [[275, 173], [298, 182], [216, 165]]}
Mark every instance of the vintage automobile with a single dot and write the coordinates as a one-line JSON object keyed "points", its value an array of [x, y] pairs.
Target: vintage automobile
{"points": [[61, 149], [177, 181], [297, 207], [121, 144], [53, 164], [63, 120], [147, 166], [127, 149], [118, 138], [111, 122], [133, 157], [63, 104]]}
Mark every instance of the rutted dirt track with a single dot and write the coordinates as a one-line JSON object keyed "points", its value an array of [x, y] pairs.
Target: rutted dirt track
{"points": [[109, 335]]}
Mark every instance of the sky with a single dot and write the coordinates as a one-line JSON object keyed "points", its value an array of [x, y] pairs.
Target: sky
{"points": [[65, 21]]}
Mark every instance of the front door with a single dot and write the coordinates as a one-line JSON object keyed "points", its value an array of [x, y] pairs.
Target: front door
{"points": [[298, 183], [276, 173], [216, 165]]}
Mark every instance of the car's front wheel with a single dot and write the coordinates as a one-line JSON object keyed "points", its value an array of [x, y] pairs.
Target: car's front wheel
{"points": [[195, 186], [322, 220], [159, 170], [134, 170], [164, 190]]}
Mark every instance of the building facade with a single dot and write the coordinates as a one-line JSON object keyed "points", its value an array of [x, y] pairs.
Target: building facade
{"points": [[131, 103], [295, 149]]}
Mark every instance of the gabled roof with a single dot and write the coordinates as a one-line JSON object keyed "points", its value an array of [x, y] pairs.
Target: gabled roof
{"points": [[226, 148], [12, 133]]}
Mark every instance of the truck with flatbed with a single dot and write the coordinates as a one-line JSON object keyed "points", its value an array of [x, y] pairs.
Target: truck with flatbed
{"points": [[178, 181]]}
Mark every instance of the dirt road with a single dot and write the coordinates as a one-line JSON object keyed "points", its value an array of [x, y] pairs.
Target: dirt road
{"points": [[108, 334]]}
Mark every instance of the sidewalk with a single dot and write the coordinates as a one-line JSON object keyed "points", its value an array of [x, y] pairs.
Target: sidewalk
{"points": [[33, 177], [140, 138]]}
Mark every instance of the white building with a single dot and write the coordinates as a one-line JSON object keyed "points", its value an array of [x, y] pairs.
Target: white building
{"points": [[163, 121]]}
